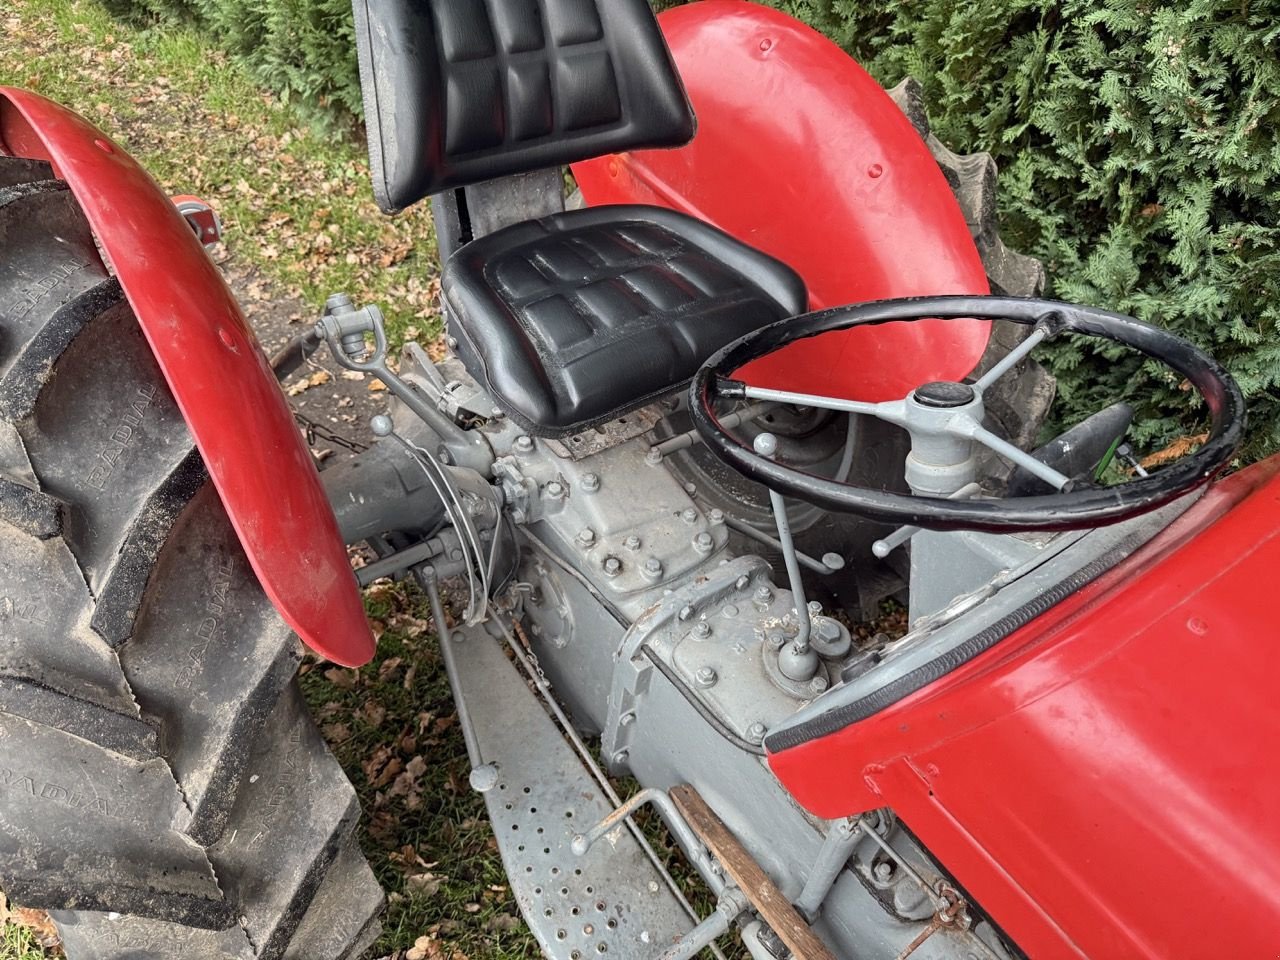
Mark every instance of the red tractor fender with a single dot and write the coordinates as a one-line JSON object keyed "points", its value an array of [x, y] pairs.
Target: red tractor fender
{"points": [[219, 377], [800, 153], [1087, 777]]}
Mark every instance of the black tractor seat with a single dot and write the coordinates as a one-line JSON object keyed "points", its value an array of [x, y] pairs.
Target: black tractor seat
{"points": [[574, 319]]}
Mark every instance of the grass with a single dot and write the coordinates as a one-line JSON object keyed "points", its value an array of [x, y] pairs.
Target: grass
{"points": [[295, 201], [17, 942], [393, 727]]}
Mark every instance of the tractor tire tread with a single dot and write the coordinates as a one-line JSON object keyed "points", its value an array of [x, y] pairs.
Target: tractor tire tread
{"points": [[165, 788]]}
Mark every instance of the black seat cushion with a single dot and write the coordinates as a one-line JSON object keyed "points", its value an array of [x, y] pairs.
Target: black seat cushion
{"points": [[575, 319], [460, 91]]}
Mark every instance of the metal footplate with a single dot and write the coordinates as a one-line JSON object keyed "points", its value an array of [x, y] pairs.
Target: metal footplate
{"points": [[610, 901]]}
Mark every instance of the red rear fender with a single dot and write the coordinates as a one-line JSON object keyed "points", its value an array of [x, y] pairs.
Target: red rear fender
{"points": [[237, 414], [799, 152]]}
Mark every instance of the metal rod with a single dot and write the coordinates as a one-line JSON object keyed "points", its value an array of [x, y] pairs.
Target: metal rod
{"points": [[730, 905], [870, 831], [691, 944], [401, 560], [940, 903], [687, 439], [1019, 457], [836, 850], [886, 545], [1012, 357], [801, 642], [823, 403], [445, 641], [747, 530], [676, 823]]}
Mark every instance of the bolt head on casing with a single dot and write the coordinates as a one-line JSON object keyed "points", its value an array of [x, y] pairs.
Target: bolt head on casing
{"points": [[755, 732], [705, 677], [652, 568], [830, 638], [591, 482], [689, 515], [523, 444], [704, 543], [554, 490], [702, 630], [632, 542], [612, 566], [586, 536], [763, 595]]}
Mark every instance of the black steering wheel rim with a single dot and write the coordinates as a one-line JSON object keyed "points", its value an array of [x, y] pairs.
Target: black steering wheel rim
{"points": [[1089, 507]]}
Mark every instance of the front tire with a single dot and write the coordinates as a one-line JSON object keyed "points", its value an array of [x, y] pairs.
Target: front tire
{"points": [[163, 790]]}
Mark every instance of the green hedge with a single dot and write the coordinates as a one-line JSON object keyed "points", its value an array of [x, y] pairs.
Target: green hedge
{"points": [[1139, 159], [1137, 141], [304, 50]]}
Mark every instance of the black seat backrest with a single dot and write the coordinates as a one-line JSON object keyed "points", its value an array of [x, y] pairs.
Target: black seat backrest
{"points": [[461, 91]]}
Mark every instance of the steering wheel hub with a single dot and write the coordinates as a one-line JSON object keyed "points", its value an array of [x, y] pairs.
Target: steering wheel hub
{"points": [[945, 393]]}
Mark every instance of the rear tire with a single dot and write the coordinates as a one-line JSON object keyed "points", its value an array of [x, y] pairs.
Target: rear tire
{"points": [[156, 758]]}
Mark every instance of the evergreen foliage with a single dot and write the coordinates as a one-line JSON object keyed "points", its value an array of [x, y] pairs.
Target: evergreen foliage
{"points": [[1137, 141], [304, 50]]}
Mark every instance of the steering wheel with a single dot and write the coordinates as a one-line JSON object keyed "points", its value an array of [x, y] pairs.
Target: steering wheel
{"points": [[944, 420]]}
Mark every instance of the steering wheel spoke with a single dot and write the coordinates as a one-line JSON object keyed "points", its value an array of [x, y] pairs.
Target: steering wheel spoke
{"points": [[891, 411], [1021, 458], [1012, 358]]}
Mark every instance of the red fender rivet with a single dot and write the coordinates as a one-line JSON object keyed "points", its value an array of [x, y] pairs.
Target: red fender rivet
{"points": [[874, 171], [228, 340], [1197, 626], [766, 45]]}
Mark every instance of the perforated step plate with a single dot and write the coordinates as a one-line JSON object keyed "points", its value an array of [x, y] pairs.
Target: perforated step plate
{"points": [[612, 902]]}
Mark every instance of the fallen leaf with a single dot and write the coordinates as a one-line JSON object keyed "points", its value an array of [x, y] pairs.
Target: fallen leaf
{"points": [[307, 382], [504, 923], [423, 884], [340, 678], [1176, 450], [336, 732], [373, 713]]}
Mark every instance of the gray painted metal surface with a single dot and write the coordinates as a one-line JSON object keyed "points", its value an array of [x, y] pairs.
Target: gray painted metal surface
{"points": [[608, 901], [656, 633]]}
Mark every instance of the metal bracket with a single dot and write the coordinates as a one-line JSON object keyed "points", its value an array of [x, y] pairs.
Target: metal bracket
{"points": [[204, 220]]}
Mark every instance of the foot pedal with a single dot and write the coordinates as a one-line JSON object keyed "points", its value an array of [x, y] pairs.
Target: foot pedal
{"points": [[611, 901]]}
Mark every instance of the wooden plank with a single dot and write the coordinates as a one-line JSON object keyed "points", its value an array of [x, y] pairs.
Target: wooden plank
{"points": [[763, 893]]}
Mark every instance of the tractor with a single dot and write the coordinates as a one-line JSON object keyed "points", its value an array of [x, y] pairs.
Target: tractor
{"points": [[758, 371]]}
